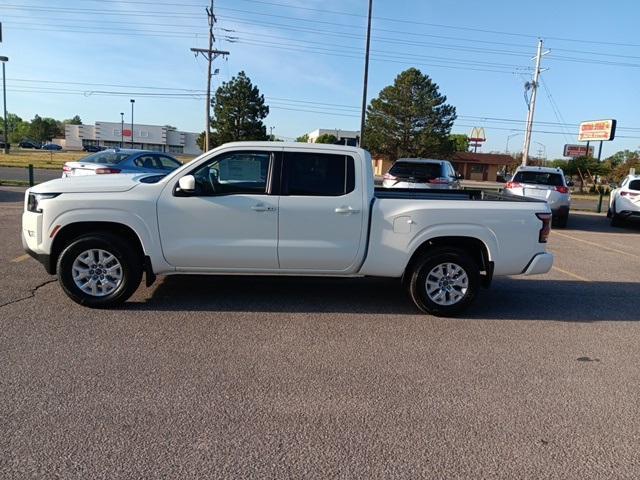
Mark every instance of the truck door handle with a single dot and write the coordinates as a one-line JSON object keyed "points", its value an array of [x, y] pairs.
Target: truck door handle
{"points": [[344, 210], [261, 207]]}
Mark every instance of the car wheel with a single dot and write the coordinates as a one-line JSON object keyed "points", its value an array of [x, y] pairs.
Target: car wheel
{"points": [[616, 221], [99, 270], [561, 221], [444, 281]]}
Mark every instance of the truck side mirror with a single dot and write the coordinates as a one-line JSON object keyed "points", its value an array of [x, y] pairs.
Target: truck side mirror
{"points": [[459, 176], [187, 184], [570, 183]]}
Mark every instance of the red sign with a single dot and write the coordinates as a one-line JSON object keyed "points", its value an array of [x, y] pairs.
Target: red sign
{"points": [[574, 151], [126, 133]]}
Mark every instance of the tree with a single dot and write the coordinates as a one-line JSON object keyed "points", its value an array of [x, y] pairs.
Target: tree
{"points": [[621, 157], [410, 119], [44, 129], [238, 111], [76, 120], [200, 141], [460, 142], [303, 138], [327, 138], [585, 167]]}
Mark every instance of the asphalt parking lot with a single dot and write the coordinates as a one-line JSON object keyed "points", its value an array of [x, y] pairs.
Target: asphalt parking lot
{"points": [[235, 377]]}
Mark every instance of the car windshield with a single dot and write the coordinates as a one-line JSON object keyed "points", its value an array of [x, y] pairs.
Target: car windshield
{"points": [[106, 158], [539, 178], [426, 171], [634, 185]]}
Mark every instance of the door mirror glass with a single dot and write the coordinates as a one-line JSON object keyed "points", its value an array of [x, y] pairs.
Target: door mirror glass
{"points": [[187, 184]]}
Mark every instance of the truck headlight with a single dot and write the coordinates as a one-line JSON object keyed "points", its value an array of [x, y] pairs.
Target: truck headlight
{"points": [[33, 202]]}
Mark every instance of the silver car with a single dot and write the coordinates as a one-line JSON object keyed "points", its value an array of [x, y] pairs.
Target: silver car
{"points": [[422, 173], [543, 183]]}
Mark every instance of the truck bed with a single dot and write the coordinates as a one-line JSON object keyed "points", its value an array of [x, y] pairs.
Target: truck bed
{"points": [[433, 194]]}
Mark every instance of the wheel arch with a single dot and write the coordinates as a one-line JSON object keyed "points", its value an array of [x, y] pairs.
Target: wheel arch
{"points": [[66, 234], [475, 247]]}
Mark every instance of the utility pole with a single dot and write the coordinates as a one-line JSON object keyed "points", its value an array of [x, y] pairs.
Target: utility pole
{"points": [[532, 103], [366, 76], [210, 54]]}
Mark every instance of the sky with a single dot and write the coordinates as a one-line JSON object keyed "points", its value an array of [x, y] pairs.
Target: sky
{"points": [[89, 57]]}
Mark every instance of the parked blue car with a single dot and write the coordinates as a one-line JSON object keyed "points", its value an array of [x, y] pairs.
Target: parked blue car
{"points": [[121, 160], [51, 146]]}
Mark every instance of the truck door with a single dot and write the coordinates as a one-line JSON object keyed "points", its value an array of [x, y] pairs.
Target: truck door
{"points": [[321, 212], [229, 222]]}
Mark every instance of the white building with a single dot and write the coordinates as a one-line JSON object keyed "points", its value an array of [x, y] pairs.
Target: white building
{"points": [[148, 137], [345, 137]]}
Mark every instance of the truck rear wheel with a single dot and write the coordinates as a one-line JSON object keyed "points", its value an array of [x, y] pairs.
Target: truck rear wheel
{"points": [[99, 270], [444, 281]]}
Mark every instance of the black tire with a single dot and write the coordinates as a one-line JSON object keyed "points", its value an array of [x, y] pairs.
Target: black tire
{"points": [[561, 221], [130, 263], [417, 283], [616, 221]]}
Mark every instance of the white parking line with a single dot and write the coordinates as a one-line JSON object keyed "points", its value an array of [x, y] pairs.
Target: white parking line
{"points": [[615, 250], [571, 274]]}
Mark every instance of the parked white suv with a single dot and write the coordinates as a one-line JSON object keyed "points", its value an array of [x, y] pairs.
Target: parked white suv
{"points": [[624, 202], [543, 183], [422, 173]]}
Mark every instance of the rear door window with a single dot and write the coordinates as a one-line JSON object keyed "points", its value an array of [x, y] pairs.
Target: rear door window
{"points": [[634, 185], [539, 178], [416, 171], [105, 158], [318, 174]]}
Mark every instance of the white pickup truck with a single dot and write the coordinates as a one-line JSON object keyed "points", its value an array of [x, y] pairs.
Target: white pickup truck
{"points": [[272, 208]]}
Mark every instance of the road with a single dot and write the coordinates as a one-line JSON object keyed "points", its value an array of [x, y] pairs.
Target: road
{"points": [[22, 174], [237, 377]]}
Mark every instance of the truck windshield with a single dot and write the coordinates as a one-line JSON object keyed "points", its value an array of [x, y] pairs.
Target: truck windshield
{"points": [[106, 158], [426, 171], [539, 178]]}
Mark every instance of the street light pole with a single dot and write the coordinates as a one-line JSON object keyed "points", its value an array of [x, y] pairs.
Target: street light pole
{"points": [[132, 102], [4, 99], [509, 137], [363, 113], [121, 129]]}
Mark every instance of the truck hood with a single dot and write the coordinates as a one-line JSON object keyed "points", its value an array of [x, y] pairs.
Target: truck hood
{"points": [[119, 182]]}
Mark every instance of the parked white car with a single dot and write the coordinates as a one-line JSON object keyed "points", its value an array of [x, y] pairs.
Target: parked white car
{"points": [[272, 208], [624, 201], [543, 183], [422, 173]]}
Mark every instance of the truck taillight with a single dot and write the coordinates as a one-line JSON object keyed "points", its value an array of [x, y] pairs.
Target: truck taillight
{"points": [[65, 168], [562, 189], [512, 185], [543, 235], [439, 181], [103, 171], [388, 176]]}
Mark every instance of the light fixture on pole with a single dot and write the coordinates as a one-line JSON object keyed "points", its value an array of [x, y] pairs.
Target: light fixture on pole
{"points": [[4, 98], [132, 102], [121, 129]]}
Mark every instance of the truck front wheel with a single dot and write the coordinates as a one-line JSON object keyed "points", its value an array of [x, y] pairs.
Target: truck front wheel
{"points": [[99, 270], [444, 281]]}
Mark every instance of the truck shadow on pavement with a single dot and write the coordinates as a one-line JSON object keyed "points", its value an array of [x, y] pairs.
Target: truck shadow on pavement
{"points": [[593, 222], [507, 299]]}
